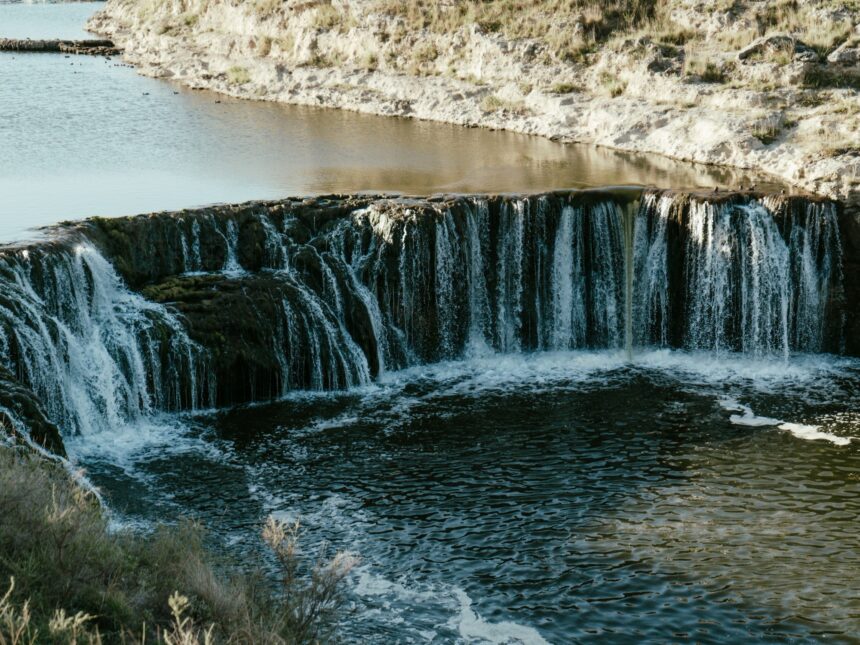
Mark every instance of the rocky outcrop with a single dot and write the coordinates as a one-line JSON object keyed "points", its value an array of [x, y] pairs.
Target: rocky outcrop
{"points": [[150, 248], [684, 94], [91, 47], [779, 43]]}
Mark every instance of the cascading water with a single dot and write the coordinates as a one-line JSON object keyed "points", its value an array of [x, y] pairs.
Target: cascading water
{"points": [[349, 292], [744, 277], [96, 354]]}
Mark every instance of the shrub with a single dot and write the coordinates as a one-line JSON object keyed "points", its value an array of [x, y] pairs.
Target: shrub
{"points": [[69, 576], [238, 75], [565, 88], [494, 103]]}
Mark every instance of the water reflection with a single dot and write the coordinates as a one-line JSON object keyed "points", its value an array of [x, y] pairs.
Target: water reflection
{"points": [[86, 136]]}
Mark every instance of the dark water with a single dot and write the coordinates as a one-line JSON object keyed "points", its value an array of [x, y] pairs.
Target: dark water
{"points": [[85, 136], [551, 497]]}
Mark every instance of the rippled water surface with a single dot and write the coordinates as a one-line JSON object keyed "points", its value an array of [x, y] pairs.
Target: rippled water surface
{"points": [[86, 136], [552, 497]]}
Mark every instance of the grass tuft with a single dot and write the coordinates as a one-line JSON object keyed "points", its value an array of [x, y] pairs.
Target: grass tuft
{"points": [[238, 75], [69, 579]]}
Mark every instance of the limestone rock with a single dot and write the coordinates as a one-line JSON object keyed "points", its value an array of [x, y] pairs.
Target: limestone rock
{"points": [[846, 54], [776, 43]]}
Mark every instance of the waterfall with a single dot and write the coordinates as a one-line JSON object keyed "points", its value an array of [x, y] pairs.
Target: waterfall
{"points": [[736, 276], [651, 298], [330, 294], [568, 287], [96, 354], [509, 275], [477, 241]]}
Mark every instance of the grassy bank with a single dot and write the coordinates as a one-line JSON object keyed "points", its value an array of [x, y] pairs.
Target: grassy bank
{"points": [[65, 577]]}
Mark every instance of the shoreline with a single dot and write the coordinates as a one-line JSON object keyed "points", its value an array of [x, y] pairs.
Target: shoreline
{"points": [[236, 54]]}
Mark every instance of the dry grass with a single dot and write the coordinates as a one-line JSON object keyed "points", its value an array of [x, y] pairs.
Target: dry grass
{"points": [[703, 68], [494, 103], [568, 28], [612, 85], [803, 21], [75, 581]]}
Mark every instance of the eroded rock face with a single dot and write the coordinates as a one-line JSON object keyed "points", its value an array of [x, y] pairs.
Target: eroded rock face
{"points": [[150, 248], [261, 339]]}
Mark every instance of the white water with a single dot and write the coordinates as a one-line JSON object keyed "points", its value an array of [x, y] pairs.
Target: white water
{"points": [[799, 430], [97, 355]]}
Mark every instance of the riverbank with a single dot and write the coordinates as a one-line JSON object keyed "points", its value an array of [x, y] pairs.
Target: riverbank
{"points": [[67, 576], [772, 89]]}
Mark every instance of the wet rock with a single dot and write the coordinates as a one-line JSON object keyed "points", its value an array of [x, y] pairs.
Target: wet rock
{"points": [[18, 404], [149, 248], [263, 334], [850, 233]]}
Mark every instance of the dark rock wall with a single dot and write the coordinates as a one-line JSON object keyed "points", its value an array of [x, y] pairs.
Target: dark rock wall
{"points": [[850, 233]]}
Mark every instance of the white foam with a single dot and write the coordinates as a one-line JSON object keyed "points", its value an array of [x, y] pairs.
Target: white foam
{"points": [[799, 430], [473, 628], [128, 443], [748, 418], [813, 433], [498, 371], [757, 372], [371, 584]]}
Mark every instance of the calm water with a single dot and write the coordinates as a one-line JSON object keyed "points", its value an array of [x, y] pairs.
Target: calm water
{"points": [[557, 498], [85, 136], [548, 498]]}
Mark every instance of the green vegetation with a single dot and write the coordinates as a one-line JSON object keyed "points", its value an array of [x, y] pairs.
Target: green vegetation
{"points": [[68, 578], [769, 129], [703, 69], [565, 88], [612, 85], [238, 75], [819, 77]]}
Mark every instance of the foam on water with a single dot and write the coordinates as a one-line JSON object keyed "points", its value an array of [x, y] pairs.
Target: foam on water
{"points": [[812, 433], [130, 447], [799, 430], [697, 370], [464, 622], [474, 629]]}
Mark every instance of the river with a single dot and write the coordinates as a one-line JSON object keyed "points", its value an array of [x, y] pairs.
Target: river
{"points": [[611, 493]]}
